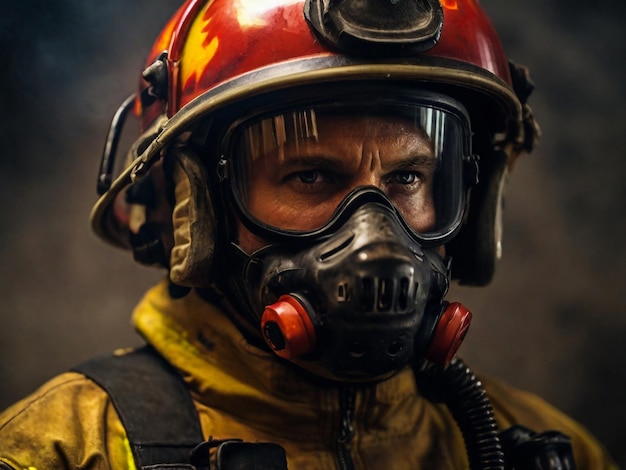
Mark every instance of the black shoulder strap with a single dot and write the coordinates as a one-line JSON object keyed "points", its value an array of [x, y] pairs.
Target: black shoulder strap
{"points": [[153, 404]]}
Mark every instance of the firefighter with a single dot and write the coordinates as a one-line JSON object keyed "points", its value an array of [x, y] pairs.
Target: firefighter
{"points": [[312, 175]]}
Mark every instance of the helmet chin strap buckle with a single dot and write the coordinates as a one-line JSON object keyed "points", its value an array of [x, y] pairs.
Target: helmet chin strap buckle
{"points": [[287, 328]]}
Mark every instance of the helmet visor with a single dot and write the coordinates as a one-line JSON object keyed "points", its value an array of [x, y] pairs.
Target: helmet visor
{"points": [[293, 169]]}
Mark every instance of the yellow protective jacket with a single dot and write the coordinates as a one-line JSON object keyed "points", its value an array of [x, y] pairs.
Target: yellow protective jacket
{"points": [[243, 392]]}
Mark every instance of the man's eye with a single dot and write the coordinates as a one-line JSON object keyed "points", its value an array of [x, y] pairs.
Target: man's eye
{"points": [[309, 176], [405, 177]]}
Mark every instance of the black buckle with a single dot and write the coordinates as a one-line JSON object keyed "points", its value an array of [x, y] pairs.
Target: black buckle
{"points": [[235, 454]]}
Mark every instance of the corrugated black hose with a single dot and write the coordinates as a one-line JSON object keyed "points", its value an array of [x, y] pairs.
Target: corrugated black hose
{"points": [[460, 390]]}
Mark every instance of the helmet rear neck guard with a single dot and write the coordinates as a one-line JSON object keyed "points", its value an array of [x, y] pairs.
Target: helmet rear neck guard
{"points": [[453, 67]]}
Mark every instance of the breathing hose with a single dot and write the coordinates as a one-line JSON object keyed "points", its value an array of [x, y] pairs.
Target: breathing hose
{"points": [[459, 389]]}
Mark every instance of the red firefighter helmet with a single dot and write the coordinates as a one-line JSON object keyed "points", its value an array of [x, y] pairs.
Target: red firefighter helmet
{"points": [[218, 57]]}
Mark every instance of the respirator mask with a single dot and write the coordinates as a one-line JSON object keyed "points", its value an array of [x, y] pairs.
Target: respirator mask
{"points": [[355, 202]]}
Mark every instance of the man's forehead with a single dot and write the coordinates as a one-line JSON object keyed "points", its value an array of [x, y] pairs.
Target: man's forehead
{"points": [[372, 124]]}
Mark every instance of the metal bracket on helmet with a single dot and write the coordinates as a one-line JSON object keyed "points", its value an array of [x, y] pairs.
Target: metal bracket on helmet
{"points": [[157, 76], [375, 27], [523, 86], [105, 175]]}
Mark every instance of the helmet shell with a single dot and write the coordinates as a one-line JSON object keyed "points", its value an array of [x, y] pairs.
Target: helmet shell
{"points": [[216, 53], [209, 43]]}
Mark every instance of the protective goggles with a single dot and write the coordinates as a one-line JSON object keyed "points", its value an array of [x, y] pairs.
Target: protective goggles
{"points": [[294, 171]]}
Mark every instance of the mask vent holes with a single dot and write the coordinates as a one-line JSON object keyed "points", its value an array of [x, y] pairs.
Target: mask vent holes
{"points": [[357, 350], [395, 348], [381, 295], [343, 294], [367, 293], [342, 245], [403, 294], [385, 294]]}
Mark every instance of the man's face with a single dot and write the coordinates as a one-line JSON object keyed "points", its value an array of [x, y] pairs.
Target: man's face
{"points": [[298, 185]]}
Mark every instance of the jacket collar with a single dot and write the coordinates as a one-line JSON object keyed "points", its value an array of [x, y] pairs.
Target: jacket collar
{"points": [[222, 368]]}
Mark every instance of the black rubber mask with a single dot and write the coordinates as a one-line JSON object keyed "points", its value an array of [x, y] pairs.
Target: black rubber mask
{"points": [[357, 305]]}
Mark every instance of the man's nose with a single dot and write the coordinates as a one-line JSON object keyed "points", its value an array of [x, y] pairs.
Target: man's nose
{"points": [[367, 177]]}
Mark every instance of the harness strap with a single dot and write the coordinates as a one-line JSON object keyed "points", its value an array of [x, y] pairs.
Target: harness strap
{"points": [[153, 404]]}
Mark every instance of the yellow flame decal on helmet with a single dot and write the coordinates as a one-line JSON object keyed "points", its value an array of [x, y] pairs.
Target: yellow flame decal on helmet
{"points": [[197, 54]]}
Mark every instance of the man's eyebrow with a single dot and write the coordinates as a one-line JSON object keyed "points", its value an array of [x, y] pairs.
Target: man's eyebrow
{"points": [[312, 160], [421, 161]]}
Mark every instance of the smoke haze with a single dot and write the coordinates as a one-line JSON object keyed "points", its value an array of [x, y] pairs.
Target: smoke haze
{"points": [[553, 320]]}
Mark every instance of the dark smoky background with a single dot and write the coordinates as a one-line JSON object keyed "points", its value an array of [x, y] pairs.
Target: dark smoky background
{"points": [[553, 319]]}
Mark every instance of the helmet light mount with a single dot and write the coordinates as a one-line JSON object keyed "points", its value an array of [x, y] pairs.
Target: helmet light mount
{"points": [[375, 27]]}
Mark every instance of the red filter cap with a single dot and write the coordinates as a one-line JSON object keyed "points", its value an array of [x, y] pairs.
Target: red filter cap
{"points": [[287, 328], [449, 333]]}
